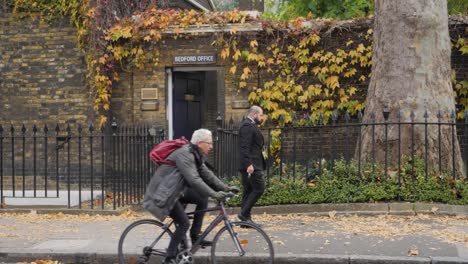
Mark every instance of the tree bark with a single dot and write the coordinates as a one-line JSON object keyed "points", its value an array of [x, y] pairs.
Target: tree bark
{"points": [[411, 74]]}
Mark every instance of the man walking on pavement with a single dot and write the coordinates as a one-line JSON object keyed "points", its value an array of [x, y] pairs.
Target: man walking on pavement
{"points": [[251, 161]]}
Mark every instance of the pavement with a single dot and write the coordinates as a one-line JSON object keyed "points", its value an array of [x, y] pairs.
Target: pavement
{"points": [[324, 233]]}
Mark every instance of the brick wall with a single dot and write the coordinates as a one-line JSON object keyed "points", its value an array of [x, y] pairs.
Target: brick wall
{"points": [[42, 73]]}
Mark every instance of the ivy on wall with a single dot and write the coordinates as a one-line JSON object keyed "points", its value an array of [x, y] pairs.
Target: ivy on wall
{"points": [[283, 66]]}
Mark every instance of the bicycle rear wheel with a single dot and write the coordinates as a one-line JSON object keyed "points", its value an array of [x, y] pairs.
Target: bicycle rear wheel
{"points": [[254, 241], [144, 241]]}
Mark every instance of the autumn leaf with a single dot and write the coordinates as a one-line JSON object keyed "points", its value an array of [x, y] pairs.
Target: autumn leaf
{"points": [[413, 252], [233, 69], [253, 44], [236, 55]]}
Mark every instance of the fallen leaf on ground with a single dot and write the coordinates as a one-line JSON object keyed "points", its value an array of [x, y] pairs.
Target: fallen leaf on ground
{"points": [[413, 252]]}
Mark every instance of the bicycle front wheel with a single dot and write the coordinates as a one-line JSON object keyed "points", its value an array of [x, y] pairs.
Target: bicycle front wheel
{"points": [[253, 240], [144, 241]]}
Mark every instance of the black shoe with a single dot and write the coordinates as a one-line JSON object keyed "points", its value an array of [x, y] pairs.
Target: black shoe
{"points": [[203, 243], [243, 218], [249, 222]]}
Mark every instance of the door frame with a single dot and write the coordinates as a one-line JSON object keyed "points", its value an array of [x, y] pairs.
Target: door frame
{"points": [[170, 87]]}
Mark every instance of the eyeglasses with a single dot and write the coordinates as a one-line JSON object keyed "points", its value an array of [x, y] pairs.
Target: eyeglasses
{"points": [[209, 143]]}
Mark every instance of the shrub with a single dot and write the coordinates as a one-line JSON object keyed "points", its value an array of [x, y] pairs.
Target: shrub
{"points": [[342, 183]]}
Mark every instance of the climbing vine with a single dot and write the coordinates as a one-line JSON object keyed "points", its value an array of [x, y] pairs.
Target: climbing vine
{"points": [[283, 66], [461, 87]]}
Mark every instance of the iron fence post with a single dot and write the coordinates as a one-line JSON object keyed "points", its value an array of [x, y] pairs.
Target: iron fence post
{"points": [[23, 158], [465, 128], [452, 117], [386, 113], [333, 147], [281, 119], [439, 123], [399, 152], [373, 145], [320, 143], [412, 116], [46, 130], [80, 130], [57, 132], [68, 165], [34, 158], [425, 144], [114, 180], [359, 143], [91, 156], [1, 165]]}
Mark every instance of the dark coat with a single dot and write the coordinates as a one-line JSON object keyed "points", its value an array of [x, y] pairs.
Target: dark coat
{"points": [[169, 182], [250, 146]]}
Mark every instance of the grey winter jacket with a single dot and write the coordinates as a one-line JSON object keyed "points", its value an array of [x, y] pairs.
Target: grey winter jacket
{"points": [[169, 182]]}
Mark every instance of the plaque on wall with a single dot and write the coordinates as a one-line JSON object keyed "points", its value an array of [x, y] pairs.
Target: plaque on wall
{"points": [[209, 58], [149, 106], [149, 93], [240, 104]]}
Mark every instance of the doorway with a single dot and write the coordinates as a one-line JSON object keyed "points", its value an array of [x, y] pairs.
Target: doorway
{"points": [[195, 97], [187, 103]]}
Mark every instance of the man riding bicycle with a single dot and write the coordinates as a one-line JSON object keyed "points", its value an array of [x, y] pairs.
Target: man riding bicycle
{"points": [[189, 181]]}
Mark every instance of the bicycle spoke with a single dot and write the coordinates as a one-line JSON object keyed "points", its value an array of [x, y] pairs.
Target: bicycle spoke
{"points": [[143, 242], [253, 241]]}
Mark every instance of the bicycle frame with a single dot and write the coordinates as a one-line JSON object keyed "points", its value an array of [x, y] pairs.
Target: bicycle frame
{"points": [[222, 216]]}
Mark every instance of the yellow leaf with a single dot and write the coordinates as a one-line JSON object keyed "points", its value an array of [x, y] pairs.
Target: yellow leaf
{"points": [[361, 48], [242, 84], [252, 96], [233, 30], [352, 90], [324, 70], [236, 55], [298, 89], [350, 73], [233, 69], [303, 69], [246, 70], [332, 82], [252, 57], [147, 38], [362, 78], [316, 70], [253, 43], [349, 43], [225, 52], [102, 60]]}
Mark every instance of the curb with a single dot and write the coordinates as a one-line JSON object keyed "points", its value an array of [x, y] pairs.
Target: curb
{"points": [[311, 209], [362, 209], [94, 258]]}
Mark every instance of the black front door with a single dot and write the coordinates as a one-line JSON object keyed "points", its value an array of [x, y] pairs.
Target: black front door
{"points": [[187, 102]]}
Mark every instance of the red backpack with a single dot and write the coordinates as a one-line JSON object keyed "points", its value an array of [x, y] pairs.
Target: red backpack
{"points": [[162, 150]]}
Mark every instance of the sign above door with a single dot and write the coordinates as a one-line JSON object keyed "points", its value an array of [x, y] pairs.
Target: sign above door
{"points": [[209, 58]]}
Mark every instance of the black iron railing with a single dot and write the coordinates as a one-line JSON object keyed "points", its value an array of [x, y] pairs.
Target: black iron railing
{"points": [[83, 167], [310, 147]]}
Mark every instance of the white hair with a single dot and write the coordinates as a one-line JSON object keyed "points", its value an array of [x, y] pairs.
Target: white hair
{"points": [[201, 134], [255, 109]]}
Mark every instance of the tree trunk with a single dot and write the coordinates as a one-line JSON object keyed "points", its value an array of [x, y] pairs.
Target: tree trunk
{"points": [[411, 74]]}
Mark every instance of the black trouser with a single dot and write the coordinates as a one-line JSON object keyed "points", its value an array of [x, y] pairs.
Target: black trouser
{"points": [[182, 221], [253, 189]]}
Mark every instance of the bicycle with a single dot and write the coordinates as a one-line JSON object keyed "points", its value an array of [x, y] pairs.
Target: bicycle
{"points": [[242, 239]]}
